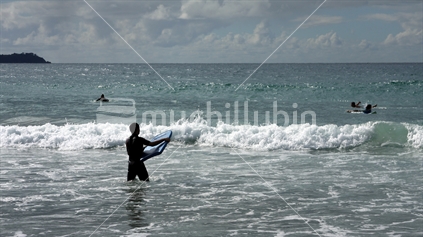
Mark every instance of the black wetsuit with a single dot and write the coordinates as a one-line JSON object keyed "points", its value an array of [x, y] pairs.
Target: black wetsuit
{"points": [[367, 111], [135, 148]]}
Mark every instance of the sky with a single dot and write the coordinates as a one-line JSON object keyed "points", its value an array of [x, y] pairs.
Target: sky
{"points": [[223, 31]]}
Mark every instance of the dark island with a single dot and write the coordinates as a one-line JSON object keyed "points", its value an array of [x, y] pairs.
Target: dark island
{"points": [[21, 58]]}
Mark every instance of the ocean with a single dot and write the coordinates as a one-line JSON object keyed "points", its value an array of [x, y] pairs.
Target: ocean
{"points": [[270, 153]]}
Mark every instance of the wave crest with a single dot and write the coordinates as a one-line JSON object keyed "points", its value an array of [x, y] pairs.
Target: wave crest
{"points": [[197, 132]]}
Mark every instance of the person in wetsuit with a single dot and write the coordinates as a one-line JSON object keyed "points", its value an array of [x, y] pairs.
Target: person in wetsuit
{"points": [[368, 109], [102, 98], [135, 148]]}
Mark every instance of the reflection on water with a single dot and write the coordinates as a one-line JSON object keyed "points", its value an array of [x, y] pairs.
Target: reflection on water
{"points": [[135, 205]]}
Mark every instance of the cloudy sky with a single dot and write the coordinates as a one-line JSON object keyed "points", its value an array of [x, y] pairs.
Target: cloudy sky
{"points": [[223, 31]]}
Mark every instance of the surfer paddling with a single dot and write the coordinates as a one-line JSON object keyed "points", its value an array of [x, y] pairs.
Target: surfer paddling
{"points": [[102, 98], [135, 148], [367, 110], [354, 105]]}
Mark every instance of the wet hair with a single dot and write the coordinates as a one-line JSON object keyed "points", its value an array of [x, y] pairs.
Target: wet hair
{"points": [[369, 106], [133, 127], [352, 104]]}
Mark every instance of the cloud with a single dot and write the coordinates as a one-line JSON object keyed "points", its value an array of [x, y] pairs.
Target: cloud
{"points": [[407, 37], [411, 24], [161, 13], [317, 20], [17, 15], [324, 41], [177, 32], [39, 37], [203, 9], [45, 23], [23, 14], [260, 34], [380, 16], [366, 45], [189, 30], [259, 44]]}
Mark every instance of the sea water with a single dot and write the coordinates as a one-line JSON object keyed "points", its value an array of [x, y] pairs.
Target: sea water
{"points": [[274, 155]]}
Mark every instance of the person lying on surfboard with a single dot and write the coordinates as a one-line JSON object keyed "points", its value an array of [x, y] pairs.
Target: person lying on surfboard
{"points": [[368, 109], [102, 98], [135, 148]]}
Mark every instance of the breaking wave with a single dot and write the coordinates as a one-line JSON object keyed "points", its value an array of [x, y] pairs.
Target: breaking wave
{"points": [[261, 138]]}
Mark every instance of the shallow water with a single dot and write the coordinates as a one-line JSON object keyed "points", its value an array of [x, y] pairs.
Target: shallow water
{"points": [[211, 191]]}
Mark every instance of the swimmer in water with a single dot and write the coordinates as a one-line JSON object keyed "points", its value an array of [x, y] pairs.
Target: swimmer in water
{"points": [[354, 105], [367, 110], [102, 98]]}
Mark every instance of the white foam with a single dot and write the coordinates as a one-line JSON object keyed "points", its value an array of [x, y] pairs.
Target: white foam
{"points": [[415, 135], [19, 234], [260, 138], [67, 137], [293, 137]]}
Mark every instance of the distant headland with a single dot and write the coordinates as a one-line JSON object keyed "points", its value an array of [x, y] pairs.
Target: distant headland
{"points": [[21, 58]]}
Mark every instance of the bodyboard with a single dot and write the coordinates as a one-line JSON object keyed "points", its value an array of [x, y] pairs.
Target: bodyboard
{"points": [[151, 151], [359, 112]]}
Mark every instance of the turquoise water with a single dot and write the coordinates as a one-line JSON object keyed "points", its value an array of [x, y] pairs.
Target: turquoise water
{"points": [[242, 159]]}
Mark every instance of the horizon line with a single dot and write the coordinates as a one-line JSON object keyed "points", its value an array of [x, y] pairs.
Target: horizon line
{"points": [[235, 63]]}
